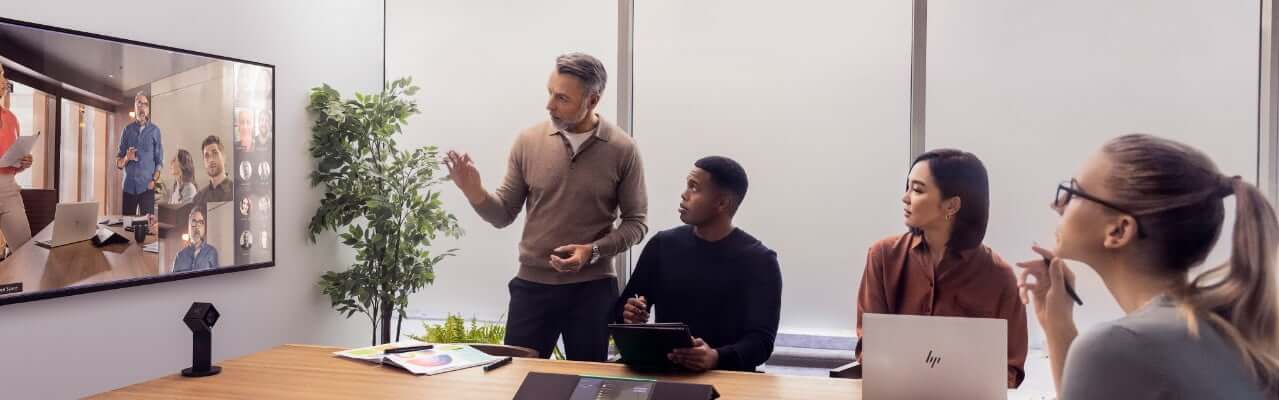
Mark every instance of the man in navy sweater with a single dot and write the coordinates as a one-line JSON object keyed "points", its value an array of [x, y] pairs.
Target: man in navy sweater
{"points": [[716, 278]]}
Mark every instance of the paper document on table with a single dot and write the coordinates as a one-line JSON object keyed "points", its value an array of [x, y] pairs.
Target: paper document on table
{"points": [[375, 353], [443, 358], [19, 149]]}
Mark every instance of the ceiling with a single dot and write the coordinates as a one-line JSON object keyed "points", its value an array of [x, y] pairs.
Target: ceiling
{"points": [[107, 68]]}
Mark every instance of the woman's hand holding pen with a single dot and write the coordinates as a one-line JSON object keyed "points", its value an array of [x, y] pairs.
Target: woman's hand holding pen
{"points": [[1049, 292]]}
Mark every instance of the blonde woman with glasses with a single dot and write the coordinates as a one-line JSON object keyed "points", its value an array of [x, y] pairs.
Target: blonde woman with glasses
{"points": [[1142, 212]]}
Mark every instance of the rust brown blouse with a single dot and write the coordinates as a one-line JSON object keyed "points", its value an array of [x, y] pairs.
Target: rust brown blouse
{"points": [[900, 278]]}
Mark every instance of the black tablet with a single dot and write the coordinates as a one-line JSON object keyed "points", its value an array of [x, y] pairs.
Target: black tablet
{"points": [[646, 345]]}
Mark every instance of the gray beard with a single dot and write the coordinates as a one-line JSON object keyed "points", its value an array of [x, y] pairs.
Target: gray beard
{"points": [[564, 126], [567, 127]]}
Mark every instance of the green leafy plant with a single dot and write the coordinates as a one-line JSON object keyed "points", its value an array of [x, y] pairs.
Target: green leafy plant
{"points": [[379, 199], [456, 330]]}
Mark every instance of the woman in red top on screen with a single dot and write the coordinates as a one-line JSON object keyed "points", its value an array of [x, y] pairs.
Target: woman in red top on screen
{"points": [[13, 215], [939, 266]]}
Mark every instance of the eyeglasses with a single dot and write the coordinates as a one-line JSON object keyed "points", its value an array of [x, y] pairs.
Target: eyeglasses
{"points": [[1068, 190]]}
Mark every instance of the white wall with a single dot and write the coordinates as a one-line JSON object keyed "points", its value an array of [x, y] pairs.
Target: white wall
{"points": [[813, 100], [1033, 88], [79, 345], [483, 67]]}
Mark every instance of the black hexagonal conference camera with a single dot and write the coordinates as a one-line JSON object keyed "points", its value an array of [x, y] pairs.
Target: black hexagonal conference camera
{"points": [[200, 318]]}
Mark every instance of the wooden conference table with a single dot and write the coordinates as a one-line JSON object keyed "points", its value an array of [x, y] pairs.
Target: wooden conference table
{"points": [[75, 264], [312, 372]]}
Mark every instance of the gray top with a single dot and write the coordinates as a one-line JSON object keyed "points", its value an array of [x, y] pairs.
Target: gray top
{"points": [[1150, 354]]}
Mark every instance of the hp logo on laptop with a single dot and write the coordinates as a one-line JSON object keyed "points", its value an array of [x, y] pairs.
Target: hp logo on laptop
{"points": [[931, 360]]}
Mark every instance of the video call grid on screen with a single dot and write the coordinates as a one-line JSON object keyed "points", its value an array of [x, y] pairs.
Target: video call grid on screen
{"points": [[177, 141]]}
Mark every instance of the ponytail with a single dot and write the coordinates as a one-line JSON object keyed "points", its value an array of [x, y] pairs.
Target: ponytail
{"points": [[1241, 298], [1178, 191]]}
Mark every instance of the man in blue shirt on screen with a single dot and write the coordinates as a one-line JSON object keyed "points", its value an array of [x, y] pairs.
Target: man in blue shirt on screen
{"points": [[140, 156], [198, 254]]}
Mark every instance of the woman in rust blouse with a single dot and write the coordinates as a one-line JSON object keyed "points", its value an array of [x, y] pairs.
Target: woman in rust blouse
{"points": [[940, 266]]}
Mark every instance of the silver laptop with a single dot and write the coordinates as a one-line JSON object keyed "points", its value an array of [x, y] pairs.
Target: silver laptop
{"points": [[73, 223], [926, 357]]}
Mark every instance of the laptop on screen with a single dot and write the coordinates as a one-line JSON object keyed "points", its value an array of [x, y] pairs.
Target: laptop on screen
{"points": [[72, 223]]}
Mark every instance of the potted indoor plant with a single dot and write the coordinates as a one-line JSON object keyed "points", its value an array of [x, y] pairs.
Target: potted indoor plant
{"points": [[379, 199]]}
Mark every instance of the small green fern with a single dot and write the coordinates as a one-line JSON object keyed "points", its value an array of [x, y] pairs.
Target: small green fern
{"points": [[456, 330]]}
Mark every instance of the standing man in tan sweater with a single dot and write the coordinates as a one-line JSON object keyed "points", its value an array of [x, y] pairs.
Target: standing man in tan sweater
{"points": [[576, 174]]}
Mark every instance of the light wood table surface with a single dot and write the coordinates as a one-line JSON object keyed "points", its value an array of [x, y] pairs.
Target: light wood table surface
{"points": [[312, 372]]}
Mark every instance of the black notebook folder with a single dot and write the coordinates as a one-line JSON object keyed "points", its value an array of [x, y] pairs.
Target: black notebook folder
{"points": [[106, 237], [543, 386], [646, 345]]}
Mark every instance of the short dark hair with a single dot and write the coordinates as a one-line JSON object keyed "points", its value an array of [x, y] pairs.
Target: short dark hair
{"points": [[961, 174], [585, 67], [726, 175], [212, 139]]}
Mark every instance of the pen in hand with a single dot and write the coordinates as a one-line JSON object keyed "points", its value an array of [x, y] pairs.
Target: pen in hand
{"points": [[643, 310], [1070, 289]]}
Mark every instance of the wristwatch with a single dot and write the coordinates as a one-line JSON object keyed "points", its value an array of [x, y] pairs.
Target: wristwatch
{"points": [[595, 253]]}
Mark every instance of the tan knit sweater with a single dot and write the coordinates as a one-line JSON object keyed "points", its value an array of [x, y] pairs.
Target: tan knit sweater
{"points": [[571, 199]]}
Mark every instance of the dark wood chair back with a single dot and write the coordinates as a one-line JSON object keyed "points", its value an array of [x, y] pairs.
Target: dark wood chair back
{"points": [[40, 205]]}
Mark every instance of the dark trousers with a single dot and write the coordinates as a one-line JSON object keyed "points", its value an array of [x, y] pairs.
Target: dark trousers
{"points": [[138, 203], [538, 314]]}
